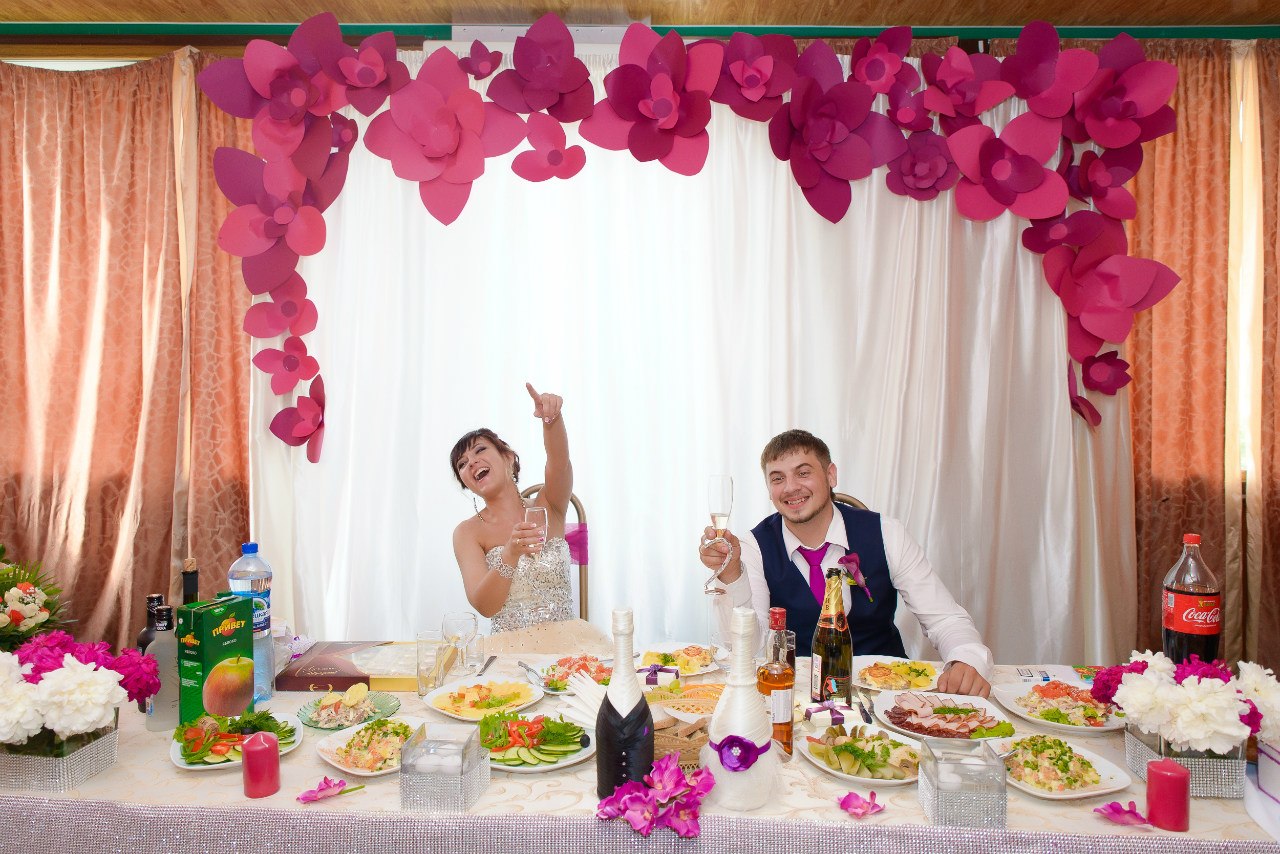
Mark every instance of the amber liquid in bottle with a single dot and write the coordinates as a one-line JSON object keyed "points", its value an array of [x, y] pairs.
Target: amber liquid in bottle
{"points": [[776, 679], [832, 646]]}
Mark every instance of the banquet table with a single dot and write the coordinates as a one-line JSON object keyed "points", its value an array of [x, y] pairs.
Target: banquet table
{"points": [[145, 803]]}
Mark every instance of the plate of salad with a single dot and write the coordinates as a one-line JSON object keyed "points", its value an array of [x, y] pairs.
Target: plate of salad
{"points": [[212, 741], [532, 745], [1045, 766], [371, 749], [555, 677], [1060, 707]]}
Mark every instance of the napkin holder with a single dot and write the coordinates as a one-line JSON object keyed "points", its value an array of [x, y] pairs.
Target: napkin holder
{"points": [[962, 783], [443, 769]]}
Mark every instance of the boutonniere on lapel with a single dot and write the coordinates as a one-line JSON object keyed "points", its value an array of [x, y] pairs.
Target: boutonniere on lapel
{"points": [[851, 567]]}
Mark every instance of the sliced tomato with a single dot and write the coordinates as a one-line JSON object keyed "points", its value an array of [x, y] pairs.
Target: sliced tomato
{"points": [[222, 748], [194, 745], [193, 733]]}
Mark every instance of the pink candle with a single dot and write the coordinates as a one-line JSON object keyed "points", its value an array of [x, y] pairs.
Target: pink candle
{"points": [[1168, 795], [261, 755]]}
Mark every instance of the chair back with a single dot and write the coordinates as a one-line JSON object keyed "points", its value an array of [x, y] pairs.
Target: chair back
{"points": [[530, 492], [850, 500]]}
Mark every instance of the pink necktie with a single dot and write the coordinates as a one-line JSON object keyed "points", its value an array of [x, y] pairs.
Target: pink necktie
{"points": [[817, 578]]}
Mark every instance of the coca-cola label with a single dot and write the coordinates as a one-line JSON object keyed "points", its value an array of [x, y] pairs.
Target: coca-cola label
{"points": [[1192, 613]]}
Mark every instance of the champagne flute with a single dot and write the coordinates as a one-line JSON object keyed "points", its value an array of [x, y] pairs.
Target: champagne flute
{"points": [[538, 516], [458, 629], [720, 505]]}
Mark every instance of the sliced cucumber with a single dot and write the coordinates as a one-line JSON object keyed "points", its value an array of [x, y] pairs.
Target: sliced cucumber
{"points": [[213, 759], [527, 756]]}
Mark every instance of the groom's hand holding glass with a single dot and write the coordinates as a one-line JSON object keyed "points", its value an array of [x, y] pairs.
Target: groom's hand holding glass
{"points": [[713, 550]]}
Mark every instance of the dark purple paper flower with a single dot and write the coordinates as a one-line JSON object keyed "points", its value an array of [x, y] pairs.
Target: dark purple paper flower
{"points": [[1127, 99], [1193, 666], [925, 169], [482, 62], [1116, 813], [1007, 172], [757, 71], [829, 133], [1044, 76], [1082, 407], [1107, 373], [1077, 229], [287, 367], [1102, 179], [304, 422], [881, 64], [289, 309], [962, 87], [737, 753], [658, 100], [545, 75], [907, 109], [551, 157]]}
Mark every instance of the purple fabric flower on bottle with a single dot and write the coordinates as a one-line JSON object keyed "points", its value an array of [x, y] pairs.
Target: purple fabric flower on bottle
{"points": [[481, 62], [858, 806], [545, 75], [1107, 373], [925, 169], [737, 753], [1117, 813], [756, 73], [852, 568]]}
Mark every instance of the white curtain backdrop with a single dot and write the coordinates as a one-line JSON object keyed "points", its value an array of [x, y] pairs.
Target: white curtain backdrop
{"points": [[686, 321]]}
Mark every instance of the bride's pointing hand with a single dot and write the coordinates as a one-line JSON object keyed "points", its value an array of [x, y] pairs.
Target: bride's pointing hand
{"points": [[545, 406]]}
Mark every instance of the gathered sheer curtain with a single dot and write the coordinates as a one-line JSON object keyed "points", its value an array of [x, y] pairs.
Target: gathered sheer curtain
{"points": [[686, 321]]}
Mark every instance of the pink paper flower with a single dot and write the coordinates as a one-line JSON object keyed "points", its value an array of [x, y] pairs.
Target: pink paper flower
{"points": [[962, 87], [756, 73], [658, 100], [289, 309], [907, 109], [482, 62], [287, 367], [1101, 177], [545, 75], [1007, 172], [829, 133], [882, 64], [1126, 101], [327, 789], [1078, 229], [275, 205], [439, 131], [925, 169], [1082, 407], [1107, 373], [1044, 76], [304, 422], [371, 72], [139, 674], [860, 807], [1115, 812], [551, 156]]}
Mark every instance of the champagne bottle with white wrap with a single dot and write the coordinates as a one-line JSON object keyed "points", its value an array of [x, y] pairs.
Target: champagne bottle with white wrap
{"points": [[624, 724], [740, 753]]}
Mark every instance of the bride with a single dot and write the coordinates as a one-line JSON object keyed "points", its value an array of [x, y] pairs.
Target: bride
{"points": [[511, 573]]}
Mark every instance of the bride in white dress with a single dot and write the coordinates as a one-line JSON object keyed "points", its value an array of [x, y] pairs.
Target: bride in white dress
{"points": [[511, 574]]}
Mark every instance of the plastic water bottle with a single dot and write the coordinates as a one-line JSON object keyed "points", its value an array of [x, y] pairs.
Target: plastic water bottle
{"points": [[250, 576]]}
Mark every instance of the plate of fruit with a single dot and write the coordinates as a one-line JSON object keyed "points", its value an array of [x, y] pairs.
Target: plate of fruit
{"points": [[356, 706], [212, 741], [524, 745]]}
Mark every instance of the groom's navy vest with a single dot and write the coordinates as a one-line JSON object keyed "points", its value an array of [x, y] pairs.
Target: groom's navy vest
{"points": [[870, 623]]}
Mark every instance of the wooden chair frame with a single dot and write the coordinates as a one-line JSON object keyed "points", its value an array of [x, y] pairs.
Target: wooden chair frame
{"points": [[844, 498]]}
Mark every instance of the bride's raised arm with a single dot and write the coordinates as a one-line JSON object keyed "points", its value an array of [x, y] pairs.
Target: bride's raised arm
{"points": [[558, 478]]}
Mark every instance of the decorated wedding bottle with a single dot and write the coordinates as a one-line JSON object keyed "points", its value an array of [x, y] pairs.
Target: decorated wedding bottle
{"points": [[832, 646], [624, 724], [740, 752]]}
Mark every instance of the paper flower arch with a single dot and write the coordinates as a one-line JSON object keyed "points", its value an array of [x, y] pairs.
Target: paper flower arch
{"points": [[832, 129]]}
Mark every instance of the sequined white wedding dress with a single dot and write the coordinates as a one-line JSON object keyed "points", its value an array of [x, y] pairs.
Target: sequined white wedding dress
{"points": [[540, 591]]}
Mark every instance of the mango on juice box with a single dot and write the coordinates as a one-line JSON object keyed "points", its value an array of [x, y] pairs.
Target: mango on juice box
{"points": [[215, 658]]}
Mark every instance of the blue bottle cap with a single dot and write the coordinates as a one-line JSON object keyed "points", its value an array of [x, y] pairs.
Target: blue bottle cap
{"points": [[249, 548]]}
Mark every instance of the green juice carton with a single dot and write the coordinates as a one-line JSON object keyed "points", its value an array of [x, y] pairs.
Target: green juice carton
{"points": [[215, 658]]}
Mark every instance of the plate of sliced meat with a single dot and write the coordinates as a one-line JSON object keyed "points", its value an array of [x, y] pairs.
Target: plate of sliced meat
{"points": [[925, 715]]}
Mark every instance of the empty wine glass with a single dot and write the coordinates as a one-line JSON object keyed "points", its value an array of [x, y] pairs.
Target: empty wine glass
{"points": [[458, 629], [538, 516], [720, 505]]}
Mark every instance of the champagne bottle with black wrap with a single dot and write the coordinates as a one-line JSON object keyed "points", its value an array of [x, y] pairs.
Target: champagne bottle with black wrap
{"points": [[624, 724]]}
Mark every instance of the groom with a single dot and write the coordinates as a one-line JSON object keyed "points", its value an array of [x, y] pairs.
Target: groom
{"points": [[783, 561]]}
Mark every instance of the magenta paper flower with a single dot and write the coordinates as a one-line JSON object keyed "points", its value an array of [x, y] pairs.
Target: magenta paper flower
{"points": [[860, 807], [274, 206], [682, 817], [1107, 373], [287, 367], [881, 64], [326, 789], [756, 73], [363, 76], [1044, 76], [303, 423], [545, 75], [925, 169], [1115, 812], [289, 309], [1007, 172], [907, 109], [551, 156], [1101, 177], [658, 100], [829, 133], [1077, 229], [962, 87], [139, 674], [1081, 404], [1127, 100], [482, 62], [439, 131]]}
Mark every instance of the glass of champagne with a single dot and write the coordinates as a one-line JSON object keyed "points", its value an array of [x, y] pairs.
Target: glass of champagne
{"points": [[538, 516], [720, 505], [457, 630]]}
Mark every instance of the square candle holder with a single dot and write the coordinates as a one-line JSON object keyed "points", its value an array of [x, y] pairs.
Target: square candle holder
{"points": [[962, 783], [443, 769]]}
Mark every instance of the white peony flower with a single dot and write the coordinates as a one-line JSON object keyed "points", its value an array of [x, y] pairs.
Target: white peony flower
{"points": [[1147, 699], [4, 619], [1259, 684], [11, 671], [78, 697], [1206, 716], [19, 717], [1156, 661]]}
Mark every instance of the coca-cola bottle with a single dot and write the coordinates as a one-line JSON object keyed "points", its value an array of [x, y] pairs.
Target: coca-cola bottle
{"points": [[1191, 606]]}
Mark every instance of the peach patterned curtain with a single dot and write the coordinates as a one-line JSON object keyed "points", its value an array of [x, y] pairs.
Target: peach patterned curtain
{"points": [[1178, 349], [1265, 606]]}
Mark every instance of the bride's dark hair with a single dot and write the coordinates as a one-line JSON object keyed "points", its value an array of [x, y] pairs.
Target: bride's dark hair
{"points": [[464, 444]]}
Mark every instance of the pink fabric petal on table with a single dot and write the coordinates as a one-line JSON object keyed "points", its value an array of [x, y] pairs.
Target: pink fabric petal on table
{"points": [[860, 807], [239, 175], [242, 232], [604, 128], [1115, 812], [306, 233], [1034, 136], [227, 86], [444, 200], [503, 130], [688, 154]]}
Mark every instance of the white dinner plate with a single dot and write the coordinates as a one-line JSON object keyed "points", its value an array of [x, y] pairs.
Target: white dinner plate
{"points": [[175, 749], [1114, 778], [328, 746], [860, 661], [1009, 694], [452, 687], [572, 759], [885, 700], [670, 647], [801, 745]]}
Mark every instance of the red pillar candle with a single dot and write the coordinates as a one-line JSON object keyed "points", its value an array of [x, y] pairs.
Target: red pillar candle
{"points": [[261, 757], [1168, 795]]}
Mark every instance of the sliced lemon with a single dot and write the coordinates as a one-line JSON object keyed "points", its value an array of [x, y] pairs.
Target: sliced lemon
{"points": [[329, 699], [355, 694]]}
